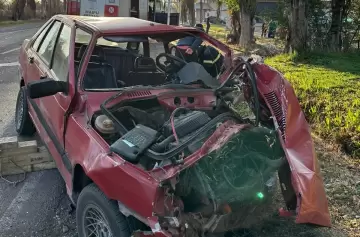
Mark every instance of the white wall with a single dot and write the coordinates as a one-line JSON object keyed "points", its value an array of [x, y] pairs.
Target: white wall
{"points": [[143, 9], [124, 8]]}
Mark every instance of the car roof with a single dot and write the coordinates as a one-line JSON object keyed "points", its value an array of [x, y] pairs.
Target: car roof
{"points": [[110, 25]]}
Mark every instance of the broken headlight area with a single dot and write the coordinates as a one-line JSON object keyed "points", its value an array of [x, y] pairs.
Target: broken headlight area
{"points": [[229, 188]]}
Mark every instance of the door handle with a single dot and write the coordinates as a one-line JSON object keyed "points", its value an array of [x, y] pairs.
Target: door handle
{"points": [[43, 77], [31, 59]]}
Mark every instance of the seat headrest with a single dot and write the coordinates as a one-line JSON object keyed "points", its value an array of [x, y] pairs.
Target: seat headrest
{"points": [[144, 64], [98, 51], [96, 59]]}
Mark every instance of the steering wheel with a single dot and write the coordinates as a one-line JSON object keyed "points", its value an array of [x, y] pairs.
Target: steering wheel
{"points": [[172, 63]]}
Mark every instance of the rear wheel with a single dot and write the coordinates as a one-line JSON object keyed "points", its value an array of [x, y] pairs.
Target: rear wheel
{"points": [[96, 215], [23, 122]]}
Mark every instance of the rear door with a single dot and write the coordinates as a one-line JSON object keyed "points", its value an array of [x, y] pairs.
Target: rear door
{"points": [[52, 59]]}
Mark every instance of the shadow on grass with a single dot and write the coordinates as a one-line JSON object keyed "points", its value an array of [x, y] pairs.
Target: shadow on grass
{"points": [[342, 62]]}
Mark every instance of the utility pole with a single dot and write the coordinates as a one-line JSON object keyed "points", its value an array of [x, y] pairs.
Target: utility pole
{"points": [[169, 11]]}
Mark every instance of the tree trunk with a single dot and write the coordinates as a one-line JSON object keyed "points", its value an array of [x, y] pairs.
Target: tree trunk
{"points": [[236, 27], [245, 22], [184, 12], [298, 25], [43, 8], [334, 35], [191, 7], [219, 4], [18, 9], [32, 6]]}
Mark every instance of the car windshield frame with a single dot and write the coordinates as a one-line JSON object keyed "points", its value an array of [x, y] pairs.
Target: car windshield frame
{"points": [[165, 38]]}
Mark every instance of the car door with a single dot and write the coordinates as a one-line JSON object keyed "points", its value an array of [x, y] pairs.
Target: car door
{"points": [[52, 59]]}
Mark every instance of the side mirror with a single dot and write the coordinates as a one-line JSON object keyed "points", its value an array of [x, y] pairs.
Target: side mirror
{"points": [[46, 87]]}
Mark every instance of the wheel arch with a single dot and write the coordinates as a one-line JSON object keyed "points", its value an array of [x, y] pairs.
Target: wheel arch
{"points": [[22, 82], [79, 181]]}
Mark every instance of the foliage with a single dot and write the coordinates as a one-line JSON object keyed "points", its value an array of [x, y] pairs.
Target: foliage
{"points": [[219, 4], [233, 5], [328, 88]]}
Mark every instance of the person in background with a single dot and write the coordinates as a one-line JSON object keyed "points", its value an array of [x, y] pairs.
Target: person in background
{"points": [[263, 29], [207, 22], [151, 16], [272, 29]]}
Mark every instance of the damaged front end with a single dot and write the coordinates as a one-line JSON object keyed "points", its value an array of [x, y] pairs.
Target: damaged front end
{"points": [[230, 187], [215, 166]]}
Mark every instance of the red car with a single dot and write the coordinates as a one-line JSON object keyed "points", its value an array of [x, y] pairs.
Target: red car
{"points": [[151, 144]]}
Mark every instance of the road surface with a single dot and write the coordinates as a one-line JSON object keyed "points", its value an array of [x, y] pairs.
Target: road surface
{"points": [[38, 206]]}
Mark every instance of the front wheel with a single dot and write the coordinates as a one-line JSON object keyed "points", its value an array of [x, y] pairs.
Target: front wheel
{"points": [[23, 122], [96, 215]]}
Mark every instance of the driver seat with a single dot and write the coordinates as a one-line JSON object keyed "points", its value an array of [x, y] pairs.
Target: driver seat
{"points": [[145, 73]]}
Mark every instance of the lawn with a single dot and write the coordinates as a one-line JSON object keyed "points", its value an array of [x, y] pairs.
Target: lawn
{"points": [[328, 87]]}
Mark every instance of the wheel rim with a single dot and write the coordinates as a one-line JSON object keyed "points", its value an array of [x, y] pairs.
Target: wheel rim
{"points": [[94, 223], [19, 110]]}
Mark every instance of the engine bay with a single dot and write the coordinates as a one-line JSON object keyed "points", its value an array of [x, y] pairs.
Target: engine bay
{"points": [[155, 130], [154, 134]]}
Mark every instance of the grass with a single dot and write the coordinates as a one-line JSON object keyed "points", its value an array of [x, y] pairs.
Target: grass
{"points": [[220, 32], [19, 22], [328, 88]]}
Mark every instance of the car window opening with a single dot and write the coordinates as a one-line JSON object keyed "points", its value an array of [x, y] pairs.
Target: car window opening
{"points": [[125, 61]]}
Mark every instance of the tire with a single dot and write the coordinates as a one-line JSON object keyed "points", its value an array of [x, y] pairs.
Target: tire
{"points": [[92, 201], [23, 123]]}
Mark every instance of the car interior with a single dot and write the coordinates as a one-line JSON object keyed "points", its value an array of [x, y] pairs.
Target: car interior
{"points": [[116, 67]]}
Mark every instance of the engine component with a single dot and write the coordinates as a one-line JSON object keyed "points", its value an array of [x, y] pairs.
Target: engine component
{"points": [[134, 142], [186, 123], [104, 125]]}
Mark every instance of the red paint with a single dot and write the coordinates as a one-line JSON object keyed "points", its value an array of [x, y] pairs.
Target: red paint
{"points": [[298, 147], [137, 189]]}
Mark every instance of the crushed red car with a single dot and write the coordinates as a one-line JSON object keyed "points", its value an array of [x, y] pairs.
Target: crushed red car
{"points": [[151, 144]]}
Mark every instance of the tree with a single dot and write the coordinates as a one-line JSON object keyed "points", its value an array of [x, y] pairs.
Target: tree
{"points": [[234, 12], [219, 4], [183, 11], [297, 25], [18, 9], [32, 6], [190, 4], [247, 12], [336, 24], [340, 10]]}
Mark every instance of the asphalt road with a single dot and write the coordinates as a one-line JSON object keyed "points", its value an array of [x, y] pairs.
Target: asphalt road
{"points": [[38, 206]]}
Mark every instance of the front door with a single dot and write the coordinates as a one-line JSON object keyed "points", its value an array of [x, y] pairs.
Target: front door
{"points": [[51, 59]]}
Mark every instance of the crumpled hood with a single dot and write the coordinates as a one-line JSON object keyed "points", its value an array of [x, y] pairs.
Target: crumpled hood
{"points": [[312, 204]]}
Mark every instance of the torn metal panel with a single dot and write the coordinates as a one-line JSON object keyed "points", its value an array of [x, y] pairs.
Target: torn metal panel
{"points": [[298, 145]]}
